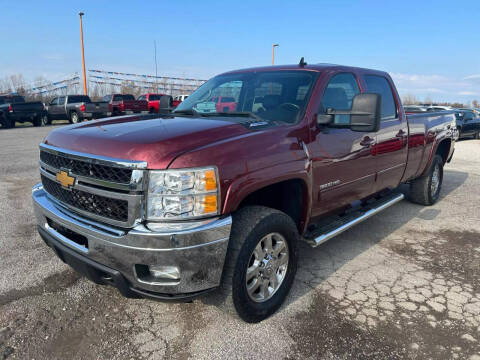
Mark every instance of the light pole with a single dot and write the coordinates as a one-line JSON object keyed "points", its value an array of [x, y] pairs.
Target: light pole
{"points": [[273, 52], [83, 56]]}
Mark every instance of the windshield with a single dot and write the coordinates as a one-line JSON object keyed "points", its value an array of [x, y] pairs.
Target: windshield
{"points": [[274, 95], [128, 97]]}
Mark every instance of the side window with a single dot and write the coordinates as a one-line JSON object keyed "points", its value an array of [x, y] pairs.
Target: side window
{"points": [[339, 95], [61, 100], [380, 85], [106, 98], [54, 102], [143, 98]]}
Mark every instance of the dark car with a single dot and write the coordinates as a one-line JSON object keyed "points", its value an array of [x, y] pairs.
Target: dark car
{"points": [[468, 123], [14, 108], [76, 108]]}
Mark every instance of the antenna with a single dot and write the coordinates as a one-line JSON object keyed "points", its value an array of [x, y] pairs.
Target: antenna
{"points": [[156, 70], [302, 62]]}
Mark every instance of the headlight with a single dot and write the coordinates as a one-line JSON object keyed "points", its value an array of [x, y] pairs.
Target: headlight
{"points": [[181, 194]]}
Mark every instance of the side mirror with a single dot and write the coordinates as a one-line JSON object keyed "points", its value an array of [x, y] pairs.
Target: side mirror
{"points": [[366, 112]]}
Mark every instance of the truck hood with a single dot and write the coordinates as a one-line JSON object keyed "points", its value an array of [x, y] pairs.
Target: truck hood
{"points": [[157, 141]]}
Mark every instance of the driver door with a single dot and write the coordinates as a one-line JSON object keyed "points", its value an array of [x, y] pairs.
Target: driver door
{"points": [[343, 160], [53, 109]]}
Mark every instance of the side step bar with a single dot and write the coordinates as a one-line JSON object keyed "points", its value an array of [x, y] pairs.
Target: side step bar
{"points": [[360, 215]]}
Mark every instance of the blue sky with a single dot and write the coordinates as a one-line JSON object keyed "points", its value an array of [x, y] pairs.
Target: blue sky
{"points": [[431, 48]]}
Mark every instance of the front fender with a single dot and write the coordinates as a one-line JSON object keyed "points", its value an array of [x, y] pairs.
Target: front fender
{"points": [[248, 183]]}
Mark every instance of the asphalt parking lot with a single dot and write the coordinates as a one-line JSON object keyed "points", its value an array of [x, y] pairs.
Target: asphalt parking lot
{"points": [[403, 284]]}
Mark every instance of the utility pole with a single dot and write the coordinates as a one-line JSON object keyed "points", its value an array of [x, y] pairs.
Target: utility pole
{"points": [[156, 70], [85, 92], [273, 52]]}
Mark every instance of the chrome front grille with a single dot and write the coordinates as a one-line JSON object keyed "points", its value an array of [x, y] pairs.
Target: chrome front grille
{"points": [[115, 209], [105, 189], [84, 168]]}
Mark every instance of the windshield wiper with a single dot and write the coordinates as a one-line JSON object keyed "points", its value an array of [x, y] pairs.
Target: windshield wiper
{"points": [[236, 114]]}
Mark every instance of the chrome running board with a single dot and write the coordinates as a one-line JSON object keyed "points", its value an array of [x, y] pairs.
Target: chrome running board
{"points": [[339, 225]]}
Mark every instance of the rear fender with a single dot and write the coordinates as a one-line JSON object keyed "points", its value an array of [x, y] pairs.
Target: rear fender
{"points": [[441, 136]]}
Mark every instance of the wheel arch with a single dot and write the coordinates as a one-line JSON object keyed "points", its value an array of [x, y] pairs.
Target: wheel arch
{"points": [[290, 195], [443, 148]]}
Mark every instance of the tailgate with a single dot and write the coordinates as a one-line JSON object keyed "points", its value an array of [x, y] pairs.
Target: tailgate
{"points": [[27, 108]]}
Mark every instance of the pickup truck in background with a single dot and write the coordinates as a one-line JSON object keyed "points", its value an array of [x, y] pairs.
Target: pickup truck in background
{"points": [[76, 108], [468, 123], [121, 104], [13, 108], [177, 100], [157, 102], [194, 201]]}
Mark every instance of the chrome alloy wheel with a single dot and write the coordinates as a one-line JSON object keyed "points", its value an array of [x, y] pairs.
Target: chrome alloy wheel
{"points": [[267, 267], [435, 182]]}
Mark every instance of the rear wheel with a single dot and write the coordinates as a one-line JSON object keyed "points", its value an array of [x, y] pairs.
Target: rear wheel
{"points": [[477, 135], [7, 122], [41, 120], [74, 118], [426, 189], [261, 262]]}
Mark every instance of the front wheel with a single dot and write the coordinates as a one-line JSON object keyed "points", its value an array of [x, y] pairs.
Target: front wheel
{"points": [[426, 189], [261, 262]]}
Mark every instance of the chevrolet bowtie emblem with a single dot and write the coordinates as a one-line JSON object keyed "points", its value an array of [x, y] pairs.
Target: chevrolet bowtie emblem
{"points": [[66, 180]]}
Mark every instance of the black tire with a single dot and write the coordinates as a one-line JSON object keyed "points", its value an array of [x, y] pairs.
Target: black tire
{"points": [[74, 118], [7, 122], [152, 111], [421, 190], [477, 135], [250, 225], [40, 120]]}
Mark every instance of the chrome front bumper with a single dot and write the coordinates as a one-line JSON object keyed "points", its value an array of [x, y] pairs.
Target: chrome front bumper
{"points": [[157, 260]]}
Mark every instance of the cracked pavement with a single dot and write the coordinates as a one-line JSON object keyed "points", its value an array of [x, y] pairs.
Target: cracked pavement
{"points": [[403, 284]]}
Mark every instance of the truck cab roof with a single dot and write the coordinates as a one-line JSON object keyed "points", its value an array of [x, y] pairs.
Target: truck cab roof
{"points": [[313, 67]]}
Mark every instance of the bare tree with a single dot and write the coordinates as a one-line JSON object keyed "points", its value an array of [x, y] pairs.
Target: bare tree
{"points": [[18, 84], [410, 99]]}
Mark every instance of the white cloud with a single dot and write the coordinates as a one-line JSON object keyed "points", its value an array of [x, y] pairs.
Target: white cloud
{"points": [[438, 87], [468, 93], [472, 77]]}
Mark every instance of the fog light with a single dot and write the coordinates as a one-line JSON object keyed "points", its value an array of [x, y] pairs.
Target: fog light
{"points": [[157, 274]]}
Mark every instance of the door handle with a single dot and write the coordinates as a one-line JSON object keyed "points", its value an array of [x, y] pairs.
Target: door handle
{"points": [[367, 141], [400, 134]]}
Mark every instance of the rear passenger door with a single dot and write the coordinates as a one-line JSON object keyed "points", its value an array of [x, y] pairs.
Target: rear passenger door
{"points": [[342, 160], [53, 109], [391, 148], [60, 109]]}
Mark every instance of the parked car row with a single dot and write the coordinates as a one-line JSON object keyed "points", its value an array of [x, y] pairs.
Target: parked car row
{"points": [[76, 108], [467, 120]]}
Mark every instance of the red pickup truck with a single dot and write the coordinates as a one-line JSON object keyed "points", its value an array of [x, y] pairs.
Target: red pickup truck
{"points": [[121, 104], [173, 206], [157, 102]]}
